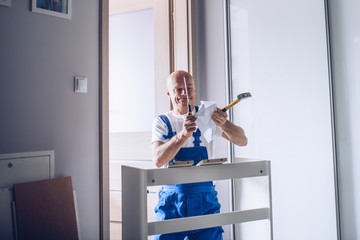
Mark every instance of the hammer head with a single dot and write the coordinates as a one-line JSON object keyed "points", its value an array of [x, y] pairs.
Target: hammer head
{"points": [[243, 95]]}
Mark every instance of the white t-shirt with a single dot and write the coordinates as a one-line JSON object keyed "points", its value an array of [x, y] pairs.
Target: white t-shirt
{"points": [[159, 129]]}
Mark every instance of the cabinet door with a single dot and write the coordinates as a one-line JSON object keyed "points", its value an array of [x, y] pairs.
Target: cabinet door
{"points": [[25, 167]]}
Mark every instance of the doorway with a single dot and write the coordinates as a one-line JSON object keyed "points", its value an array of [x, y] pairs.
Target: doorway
{"points": [[138, 42]]}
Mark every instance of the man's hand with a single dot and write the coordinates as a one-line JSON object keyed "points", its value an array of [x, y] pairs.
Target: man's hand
{"points": [[189, 126], [230, 131], [219, 117]]}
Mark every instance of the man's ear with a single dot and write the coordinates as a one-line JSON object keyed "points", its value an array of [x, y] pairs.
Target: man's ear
{"points": [[167, 93]]}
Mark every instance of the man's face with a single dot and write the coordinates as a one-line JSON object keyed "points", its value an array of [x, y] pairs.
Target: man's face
{"points": [[177, 93]]}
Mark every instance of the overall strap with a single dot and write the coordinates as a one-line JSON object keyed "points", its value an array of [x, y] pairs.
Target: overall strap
{"points": [[165, 119], [197, 133]]}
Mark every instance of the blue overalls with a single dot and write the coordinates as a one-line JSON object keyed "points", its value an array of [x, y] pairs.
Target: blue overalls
{"points": [[191, 199]]}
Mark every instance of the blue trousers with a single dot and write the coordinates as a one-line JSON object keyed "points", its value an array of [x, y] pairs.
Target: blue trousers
{"points": [[186, 200]]}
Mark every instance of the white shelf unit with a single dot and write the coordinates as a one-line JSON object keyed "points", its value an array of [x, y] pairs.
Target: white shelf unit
{"points": [[135, 182]]}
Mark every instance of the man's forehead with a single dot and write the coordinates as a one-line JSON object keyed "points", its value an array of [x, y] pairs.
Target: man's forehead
{"points": [[177, 82], [176, 79]]}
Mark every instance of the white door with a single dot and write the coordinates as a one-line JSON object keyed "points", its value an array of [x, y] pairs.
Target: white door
{"points": [[279, 54]]}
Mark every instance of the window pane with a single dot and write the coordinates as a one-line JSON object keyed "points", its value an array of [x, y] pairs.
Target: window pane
{"points": [[131, 71]]}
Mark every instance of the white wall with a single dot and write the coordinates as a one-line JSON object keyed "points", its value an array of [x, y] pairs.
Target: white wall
{"points": [[282, 61], [345, 46], [39, 110]]}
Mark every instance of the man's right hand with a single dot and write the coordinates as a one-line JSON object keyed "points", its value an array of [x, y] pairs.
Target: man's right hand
{"points": [[189, 125]]}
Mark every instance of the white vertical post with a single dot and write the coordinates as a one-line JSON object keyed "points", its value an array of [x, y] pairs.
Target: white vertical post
{"points": [[270, 203], [134, 199]]}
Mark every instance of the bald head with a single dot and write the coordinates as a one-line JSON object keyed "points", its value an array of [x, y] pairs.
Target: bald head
{"points": [[178, 75]]}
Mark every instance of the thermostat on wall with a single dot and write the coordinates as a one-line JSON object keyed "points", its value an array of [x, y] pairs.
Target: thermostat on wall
{"points": [[80, 84]]}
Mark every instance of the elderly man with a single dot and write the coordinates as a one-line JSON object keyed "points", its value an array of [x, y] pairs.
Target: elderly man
{"points": [[175, 137]]}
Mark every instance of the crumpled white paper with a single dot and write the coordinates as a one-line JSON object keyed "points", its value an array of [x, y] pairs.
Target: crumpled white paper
{"points": [[204, 121]]}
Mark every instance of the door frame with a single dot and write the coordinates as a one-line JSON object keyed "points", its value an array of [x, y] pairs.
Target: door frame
{"points": [[104, 208]]}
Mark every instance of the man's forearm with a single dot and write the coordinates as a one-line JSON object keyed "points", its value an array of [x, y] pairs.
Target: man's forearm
{"points": [[234, 133], [164, 152]]}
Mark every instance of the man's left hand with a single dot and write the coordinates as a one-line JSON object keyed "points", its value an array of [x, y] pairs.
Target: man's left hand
{"points": [[219, 117]]}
